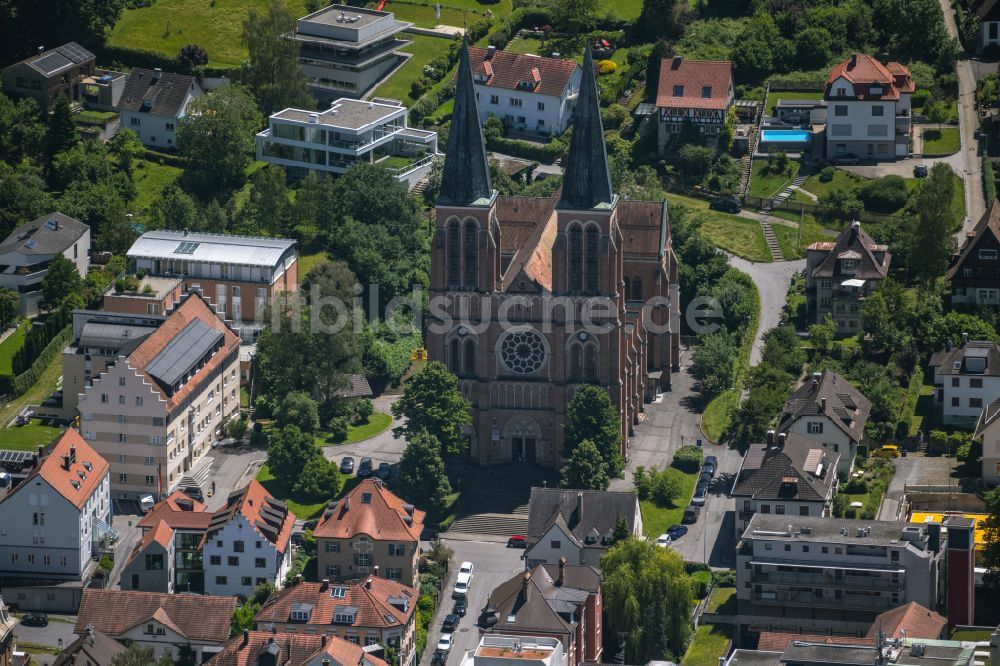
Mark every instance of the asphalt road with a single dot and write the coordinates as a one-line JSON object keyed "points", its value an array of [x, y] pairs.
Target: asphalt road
{"points": [[383, 447], [712, 538], [494, 563], [772, 280], [60, 628]]}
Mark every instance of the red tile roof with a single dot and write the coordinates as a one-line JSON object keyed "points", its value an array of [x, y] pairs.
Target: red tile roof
{"points": [[77, 483], [693, 76], [863, 71], [384, 517], [369, 595], [270, 517], [911, 620], [777, 641], [201, 618], [179, 512], [296, 650], [192, 308], [162, 534], [507, 70]]}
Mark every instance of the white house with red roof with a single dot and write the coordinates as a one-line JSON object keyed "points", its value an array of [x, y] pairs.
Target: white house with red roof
{"points": [[248, 542], [695, 91], [868, 109], [529, 93], [51, 521]]}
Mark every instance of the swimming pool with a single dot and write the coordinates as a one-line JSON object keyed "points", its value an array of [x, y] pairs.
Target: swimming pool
{"points": [[784, 136]]}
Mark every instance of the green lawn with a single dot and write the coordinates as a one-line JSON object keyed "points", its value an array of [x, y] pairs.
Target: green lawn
{"points": [[840, 180], [39, 391], [944, 141], [764, 184], [423, 16], [301, 508], [524, 45], [95, 117], [709, 643], [718, 413], [377, 422], [28, 437], [739, 235], [971, 634], [215, 25], [424, 49], [722, 599], [150, 179], [656, 519], [308, 261], [788, 237], [772, 99], [10, 346]]}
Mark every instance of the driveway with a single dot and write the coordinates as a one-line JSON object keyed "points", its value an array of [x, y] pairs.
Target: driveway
{"points": [[60, 629], [494, 563], [383, 447], [904, 167], [772, 280], [711, 539]]}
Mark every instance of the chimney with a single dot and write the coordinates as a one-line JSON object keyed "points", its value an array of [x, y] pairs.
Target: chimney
{"points": [[375, 571], [65, 462], [157, 73], [816, 377], [677, 62], [562, 570], [326, 662], [947, 347], [185, 232], [770, 438], [246, 638], [781, 439], [368, 583], [854, 61], [579, 506], [347, 502], [965, 339], [41, 49], [491, 51], [298, 578], [41, 451], [72, 454], [525, 583], [325, 585]]}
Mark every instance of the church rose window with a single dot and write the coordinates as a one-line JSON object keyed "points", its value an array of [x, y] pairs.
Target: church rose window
{"points": [[523, 352]]}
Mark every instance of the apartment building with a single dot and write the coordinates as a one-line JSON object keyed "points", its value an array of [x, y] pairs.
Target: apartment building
{"points": [[154, 102], [989, 435], [841, 274], [699, 92], [966, 379], [349, 132], [345, 51], [51, 523], [48, 74], [154, 413], [239, 276], [530, 93], [868, 106], [975, 271], [832, 413], [817, 651], [516, 651], [370, 529], [188, 520], [577, 525], [789, 474], [169, 624], [247, 543], [821, 574], [367, 611], [560, 601], [26, 253], [265, 648]]}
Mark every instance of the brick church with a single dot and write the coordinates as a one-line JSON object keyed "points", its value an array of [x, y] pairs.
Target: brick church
{"points": [[533, 297]]}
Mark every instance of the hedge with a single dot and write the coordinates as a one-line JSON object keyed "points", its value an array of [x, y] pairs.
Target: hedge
{"points": [[989, 180], [133, 57], [38, 339], [547, 153], [688, 459], [24, 381]]}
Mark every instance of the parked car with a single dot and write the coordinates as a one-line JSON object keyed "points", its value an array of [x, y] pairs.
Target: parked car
{"points": [[310, 525], [465, 568], [708, 468], [439, 659], [676, 531], [146, 503], [845, 160], [711, 460], [920, 171], [888, 451], [691, 514], [517, 541], [35, 620], [445, 642], [365, 468], [298, 539], [705, 477], [462, 583], [450, 623], [194, 492], [700, 494], [383, 471], [347, 465], [726, 204], [461, 607], [663, 540]]}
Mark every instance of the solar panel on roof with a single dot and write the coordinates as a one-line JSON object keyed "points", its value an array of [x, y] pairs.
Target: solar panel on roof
{"points": [[183, 352], [8, 456], [187, 247], [30, 244], [75, 52], [977, 352], [52, 62]]}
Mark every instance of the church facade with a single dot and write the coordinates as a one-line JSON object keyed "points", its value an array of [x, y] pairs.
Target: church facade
{"points": [[532, 298]]}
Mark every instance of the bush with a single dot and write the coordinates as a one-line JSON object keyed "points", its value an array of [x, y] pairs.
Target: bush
{"points": [[607, 66], [363, 409], [688, 459], [25, 380], [659, 486], [827, 174], [725, 578], [701, 580], [885, 195], [338, 427], [919, 98], [192, 55]]}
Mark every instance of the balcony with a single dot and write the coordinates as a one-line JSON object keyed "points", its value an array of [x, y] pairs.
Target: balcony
{"points": [[829, 581], [847, 601]]}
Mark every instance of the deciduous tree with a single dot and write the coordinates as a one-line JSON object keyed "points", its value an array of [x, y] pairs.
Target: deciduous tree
{"points": [[318, 479], [931, 230], [62, 134], [298, 409], [272, 70], [422, 478], [432, 403], [288, 450], [590, 415], [61, 280], [585, 469]]}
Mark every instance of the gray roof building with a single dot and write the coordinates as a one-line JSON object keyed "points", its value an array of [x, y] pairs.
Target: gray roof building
{"points": [[589, 516], [797, 470], [92, 648], [48, 235], [156, 92], [979, 357], [828, 394], [211, 248]]}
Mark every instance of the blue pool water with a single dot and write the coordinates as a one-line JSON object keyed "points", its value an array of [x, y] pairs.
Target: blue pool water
{"points": [[785, 136]]}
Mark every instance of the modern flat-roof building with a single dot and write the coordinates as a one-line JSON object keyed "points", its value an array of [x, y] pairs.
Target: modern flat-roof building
{"points": [[496, 650], [815, 651], [350, 131], [26, 253], [49, 74], [237, 275], [344, 51]]}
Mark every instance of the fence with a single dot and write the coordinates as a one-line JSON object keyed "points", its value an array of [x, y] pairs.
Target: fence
{"points": [[815, 209]]}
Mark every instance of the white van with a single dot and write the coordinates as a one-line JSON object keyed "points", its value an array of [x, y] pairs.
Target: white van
{"points": [[462, 584], [146, 503]]}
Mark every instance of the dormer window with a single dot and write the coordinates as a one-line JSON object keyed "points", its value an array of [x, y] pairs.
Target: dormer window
{"points": [[338, 592], [706, 92], [875, 89], [345, 615], [300, 616], [848, 265], [678, 91]]}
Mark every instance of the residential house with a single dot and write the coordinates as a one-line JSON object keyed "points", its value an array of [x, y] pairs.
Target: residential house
{"points": [[155, 412], [345, 51], [370, 527], [26, 253], [577, 524], [248, 542], [975, 271], [239, 276], [841, 274], [790, 474], [265, 648], [154, 102], [7, 644], [698, 92], [987, 18], [966, 379], [348, 132], [989, 434], [367, 611], [516, 651], [92, 648], [821, 575], [189, 520], [561, 601], [99, 338], [48, 74], [868, 109], [530, 93], [844, 651], [51, 524], [831, 412], [171, 624], [151, 566]]}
